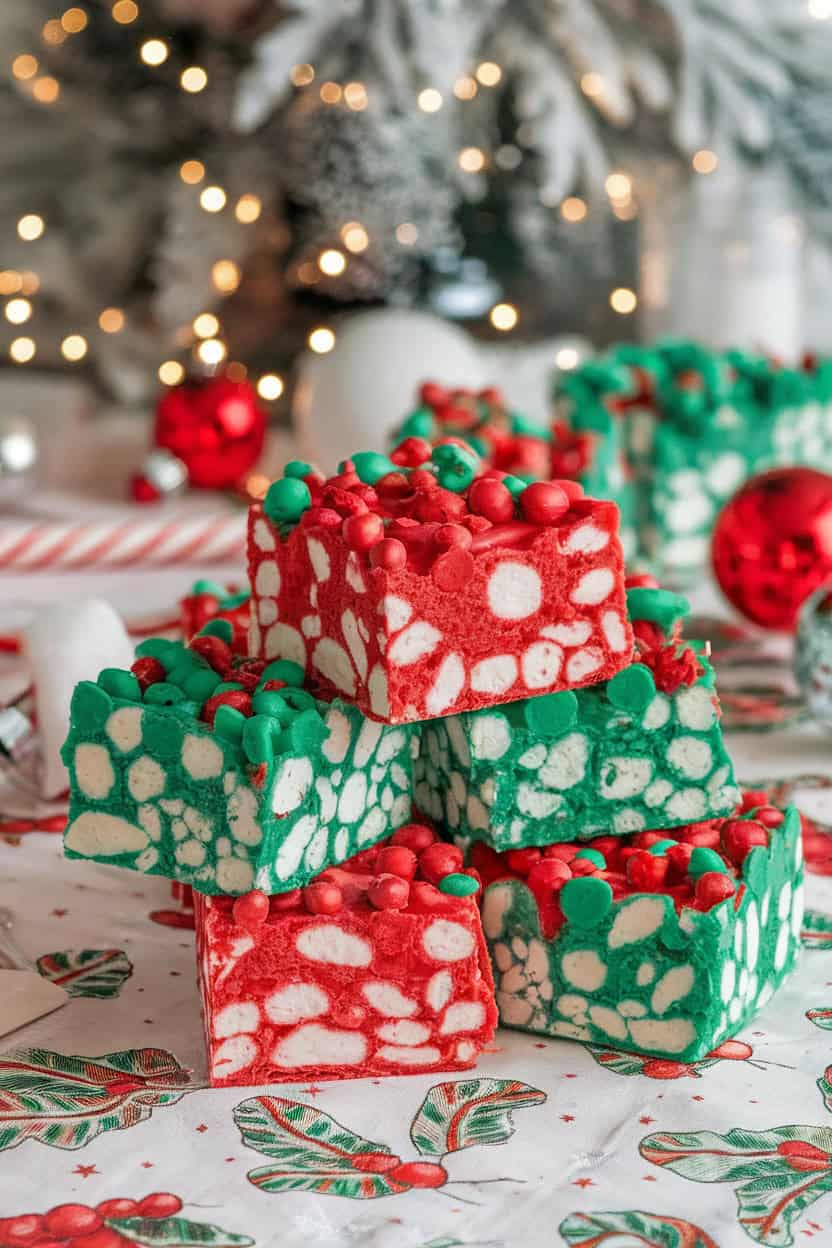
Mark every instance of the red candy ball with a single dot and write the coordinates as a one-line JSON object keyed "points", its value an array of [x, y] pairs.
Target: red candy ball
{"points": [[438, 506], [411, 452], [439, 860], [433, 394], [772, 544], [550, 874], [396, 860], [148, 671], [646, 872], [251, 909], [236, 698], [214, 650], [216, 427], [65, 1221], [739, 836], [416, 836], [490, 498], [522, 860], [769, 816], [713, 887], [323, 897], [389, 554], [389, 892], [449, 535], [543, 502], [159, 1205], [363, 532]]}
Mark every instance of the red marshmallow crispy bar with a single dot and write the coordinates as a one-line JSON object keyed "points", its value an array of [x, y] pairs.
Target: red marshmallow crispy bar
{"points": [[379, 967], [415, 600]]}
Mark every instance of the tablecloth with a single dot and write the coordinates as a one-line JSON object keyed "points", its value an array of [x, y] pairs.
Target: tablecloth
{"points": [[105, 1100]]}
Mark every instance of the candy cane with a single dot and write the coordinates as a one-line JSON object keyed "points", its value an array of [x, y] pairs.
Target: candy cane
{"points": [[66, 546]]}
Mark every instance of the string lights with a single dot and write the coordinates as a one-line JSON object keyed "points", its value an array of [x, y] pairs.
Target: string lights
{"points": [[17, 311], [30, 227], [270, 387]]}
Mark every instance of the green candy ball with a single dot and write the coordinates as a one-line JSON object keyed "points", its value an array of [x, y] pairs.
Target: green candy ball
{"points": [[371, 466], [594, 856], [209, 587], [661, 847], [90, 708], [272, 705], [514, 485], [297, 468], [287, 500], [158, 648], [218, 628], [702, 860], [586, 901], [457, 884], [419, 424], [308, 731], [229, 724], [201, 685], [456, 467], [163, 694], [120, 684], [283, 669], [258, 739], [632, 689], [551, 714]]}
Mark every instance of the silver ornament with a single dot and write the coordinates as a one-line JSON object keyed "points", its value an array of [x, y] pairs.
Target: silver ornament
{"points": [[165, 472], [18, 458], [813, 653]]}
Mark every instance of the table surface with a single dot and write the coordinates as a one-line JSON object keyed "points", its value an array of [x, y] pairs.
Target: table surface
{"points": [[575, 1164]]}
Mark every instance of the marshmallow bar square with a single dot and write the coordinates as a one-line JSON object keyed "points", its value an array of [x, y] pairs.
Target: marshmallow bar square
{"points": [[292, 994], [617, 757], [652, 945]]}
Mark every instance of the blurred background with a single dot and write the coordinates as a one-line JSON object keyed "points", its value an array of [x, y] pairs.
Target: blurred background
{"points": [[225, 183]]}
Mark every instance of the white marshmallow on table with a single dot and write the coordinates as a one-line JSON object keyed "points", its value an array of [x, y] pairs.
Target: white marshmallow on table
{"points": [[68, 643]]}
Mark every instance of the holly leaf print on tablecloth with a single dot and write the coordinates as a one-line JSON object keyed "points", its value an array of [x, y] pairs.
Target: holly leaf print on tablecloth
{"points": [[460, 1114], [779, 1172], [821, 1017], [617, 1230], [312, 1152], [175, 1233], [87, 972], [816, 930], [65, 1101]]}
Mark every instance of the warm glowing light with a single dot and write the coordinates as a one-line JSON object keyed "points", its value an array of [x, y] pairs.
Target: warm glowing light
{"points": [[355, 95], [321, 340], [465, 88], [192, 171], [406, 233], [573, 209], [332, 262], [211, 351], [74, 20], [111, 320], [308, 273], [270, 386], [225, 275], [18, 311], [488, 74], [257, 485], [193, 79], [74, 348], [248, 209], [212, 199], [618, 186], [301, 75], [154, 52], [429, 100], [471, 159], [29, 282], [46, 90], [706, 161], [10, 282], [124, 12], [25, 66], [354, 237], [567, 358], [53, 32], [171, 373], [820, 10], [30, 227], [503, 316], [592, 84], [624, 209], [206, 325], [22, 350], [330, 92], [623, 300], [235, 371]]}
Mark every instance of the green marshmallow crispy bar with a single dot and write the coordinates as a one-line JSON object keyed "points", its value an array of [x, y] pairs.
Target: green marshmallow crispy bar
{"points": [[636, 975], [155, 789], [615, 757], [712, 419]]}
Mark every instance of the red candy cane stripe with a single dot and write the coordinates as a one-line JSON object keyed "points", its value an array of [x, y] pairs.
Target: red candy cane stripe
{"points": [[66, 546]]}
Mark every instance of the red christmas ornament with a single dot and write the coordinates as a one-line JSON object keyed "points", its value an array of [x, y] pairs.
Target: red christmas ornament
{"points": [[772, 544], [215, 427]]}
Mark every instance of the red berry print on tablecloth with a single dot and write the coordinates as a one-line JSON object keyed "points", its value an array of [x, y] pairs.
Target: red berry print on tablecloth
{"points": [[155, 1219], [623, 1063], [651, 1230], [65, 1101], [87, 972], [314, 1153], [777, 1173]]}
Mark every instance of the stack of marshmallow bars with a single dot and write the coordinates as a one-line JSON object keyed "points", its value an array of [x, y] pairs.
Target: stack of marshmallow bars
{"points": [[457, 771]]}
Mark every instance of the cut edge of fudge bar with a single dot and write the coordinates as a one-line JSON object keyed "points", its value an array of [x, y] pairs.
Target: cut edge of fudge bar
{"points": [[378, 967], [226, 774], [413, 589], [664, 944]]}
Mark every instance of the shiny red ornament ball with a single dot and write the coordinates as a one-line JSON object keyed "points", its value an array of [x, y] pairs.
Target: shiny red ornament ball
{"points": [[215, 426], [772, 544]]}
